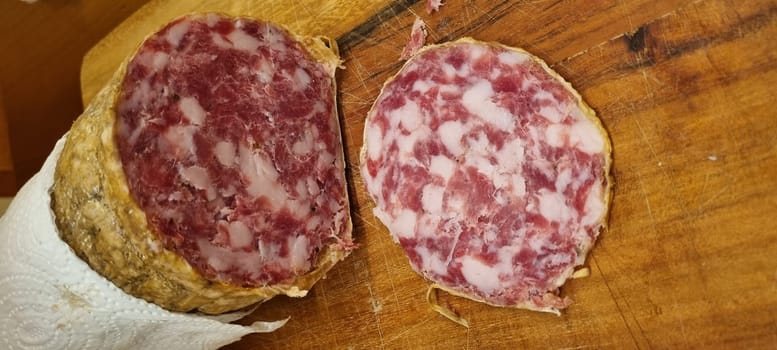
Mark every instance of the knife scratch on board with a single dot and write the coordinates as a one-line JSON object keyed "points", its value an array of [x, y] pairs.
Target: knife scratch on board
{"points": [[597, 346], [367, 222], [376, 308], [614, 300], [714, 196], [351, 99], [407, 330], [358, 71], [474, 5], [395, 17], [322, 291], [647, 200]]}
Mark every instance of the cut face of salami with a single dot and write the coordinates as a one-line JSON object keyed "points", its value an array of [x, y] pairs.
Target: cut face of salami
{"points": [[229, 142], [489, 171]]}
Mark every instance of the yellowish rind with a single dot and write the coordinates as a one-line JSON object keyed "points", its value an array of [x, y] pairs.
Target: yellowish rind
{"points": [[607, 193], [431, 298], [98, 218], [581, 273]]}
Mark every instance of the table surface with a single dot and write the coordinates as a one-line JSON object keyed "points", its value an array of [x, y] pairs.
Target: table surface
{"points": [[686, 91]]}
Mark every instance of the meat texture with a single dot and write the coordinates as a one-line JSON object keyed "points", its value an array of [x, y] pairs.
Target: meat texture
{"points": [[209, 174], [489, 170], [417, 39]]}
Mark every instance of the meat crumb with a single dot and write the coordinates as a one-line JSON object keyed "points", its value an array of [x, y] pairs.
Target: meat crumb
{"points": [[433, 5], [417, 39]]}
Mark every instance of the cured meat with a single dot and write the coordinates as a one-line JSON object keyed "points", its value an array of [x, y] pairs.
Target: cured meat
{"points": [[210, 174], [220, 158], [417, 39], [489, 170], [433, 5]]}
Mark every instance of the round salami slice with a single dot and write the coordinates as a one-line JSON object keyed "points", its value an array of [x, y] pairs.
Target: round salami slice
{"points": [[489, 170], [209, 174]]}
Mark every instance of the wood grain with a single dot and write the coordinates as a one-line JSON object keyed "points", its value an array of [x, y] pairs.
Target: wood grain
{"points": [[686, 91]]}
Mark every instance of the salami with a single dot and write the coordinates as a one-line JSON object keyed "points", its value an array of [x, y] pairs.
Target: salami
{"points": [[211, 174], [489, 170]]}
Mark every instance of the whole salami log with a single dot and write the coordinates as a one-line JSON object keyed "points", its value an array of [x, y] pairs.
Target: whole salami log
{"points": [[489, 170], [209, 174]]}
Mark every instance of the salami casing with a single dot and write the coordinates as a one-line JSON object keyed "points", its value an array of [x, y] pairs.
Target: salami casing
{"points": [[209, 174], [489, 170]]}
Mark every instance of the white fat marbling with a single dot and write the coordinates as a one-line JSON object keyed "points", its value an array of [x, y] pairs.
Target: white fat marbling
{"points": [[218, 263], [511, 156], [240, 235], [482, 164], [586, 137], [298, 253], [179, 140], [451, 133], [551, 113], [475, 52], [431, 261], [518, 183], [177, 32], [326, 159], [477, 100], [594, 206], [262, 176], [428, 225], [450, 89], [219, 40], [449, 70], [301, 79], [198, 177], [422, 86], [512, 58], [541, 95], [243, 41], [556, 135], [431, 198], [159, 61], [409, 115], [265, 71], [404, 223], [407, 143], [553, 207], [141, 93], [442, 166], [304, 145], [374, 141], [478, 274], [225, 153], [312, 186], [563, 179], [192, 110]]}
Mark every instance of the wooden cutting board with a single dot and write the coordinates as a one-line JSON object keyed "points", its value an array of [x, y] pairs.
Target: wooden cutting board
{"points": [[686, 90]]}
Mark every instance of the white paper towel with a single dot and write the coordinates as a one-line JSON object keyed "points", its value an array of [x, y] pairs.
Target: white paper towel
{"points": [[51, 299]]}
